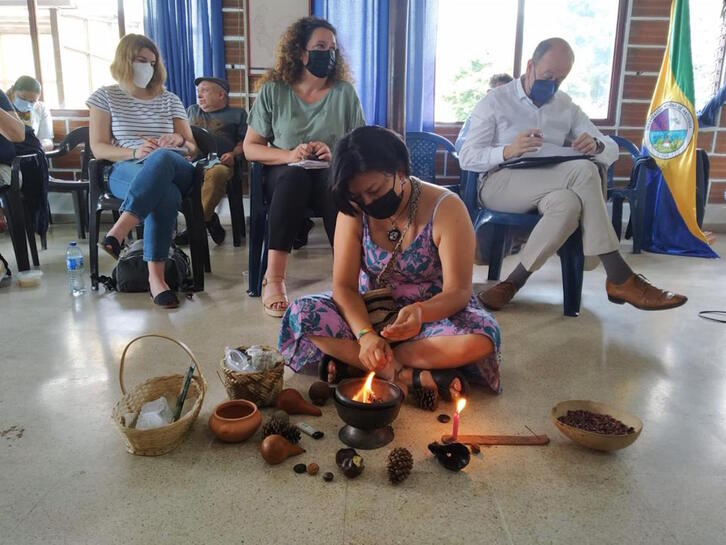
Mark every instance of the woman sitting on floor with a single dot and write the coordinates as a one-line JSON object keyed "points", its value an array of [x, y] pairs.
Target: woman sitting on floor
{"points": [[305, 104], [415, 238], [143, 129]]}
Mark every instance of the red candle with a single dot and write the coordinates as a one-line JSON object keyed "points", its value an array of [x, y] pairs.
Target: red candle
{"points": [[459, 407]]}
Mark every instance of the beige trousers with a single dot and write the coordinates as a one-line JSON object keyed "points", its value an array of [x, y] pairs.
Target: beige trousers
{"points": [[567, 195], [214, 187]]}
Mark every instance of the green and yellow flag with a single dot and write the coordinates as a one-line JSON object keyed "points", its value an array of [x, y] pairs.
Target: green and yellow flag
{"points": [[670, 137]]}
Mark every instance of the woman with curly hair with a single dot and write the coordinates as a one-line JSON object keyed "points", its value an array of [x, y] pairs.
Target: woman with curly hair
{"points": [[304, 105]]}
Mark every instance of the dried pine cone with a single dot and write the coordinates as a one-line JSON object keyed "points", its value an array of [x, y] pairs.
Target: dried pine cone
{"points": [[400, 463], [426, 399], [277, 427]]}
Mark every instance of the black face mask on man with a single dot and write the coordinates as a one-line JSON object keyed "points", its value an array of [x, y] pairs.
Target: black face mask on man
{"points": [[321, 62], [385, 206]]}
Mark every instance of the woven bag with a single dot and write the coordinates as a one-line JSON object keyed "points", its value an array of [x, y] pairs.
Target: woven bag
{"points": [[259, 387], [381, 308], [157, 441]]}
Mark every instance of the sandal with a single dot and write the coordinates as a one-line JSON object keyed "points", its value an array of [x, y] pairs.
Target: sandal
{"points": [[165, 299], [268, 302], [342, 370], [443, 379], [111, 246]]}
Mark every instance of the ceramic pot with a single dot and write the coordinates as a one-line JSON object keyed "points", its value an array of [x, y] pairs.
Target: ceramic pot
{"points": [[275, 449], [290, 401], [235, 421]]}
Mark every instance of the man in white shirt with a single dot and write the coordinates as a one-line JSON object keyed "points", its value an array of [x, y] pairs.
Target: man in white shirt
{"points": [[520, 118]]}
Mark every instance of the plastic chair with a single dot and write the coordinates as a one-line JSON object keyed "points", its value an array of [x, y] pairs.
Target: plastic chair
{"points": [[497, 231], [422, 147], [78, 188], [16, 212], [634, 192], [234, 185], [100, 194]]}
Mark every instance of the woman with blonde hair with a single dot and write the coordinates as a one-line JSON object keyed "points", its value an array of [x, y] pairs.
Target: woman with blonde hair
{"points": [[304, 105], [143, 129]]}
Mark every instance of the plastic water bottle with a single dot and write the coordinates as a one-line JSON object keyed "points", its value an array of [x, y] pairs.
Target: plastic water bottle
{"points": [[74, 265]]}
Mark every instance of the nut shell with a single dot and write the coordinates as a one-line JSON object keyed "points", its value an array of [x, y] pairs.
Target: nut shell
{"points": [[319, 393], [352, 467]]}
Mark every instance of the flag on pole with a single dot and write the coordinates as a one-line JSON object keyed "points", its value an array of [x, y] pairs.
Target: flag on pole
{"points": [[670, 137]]}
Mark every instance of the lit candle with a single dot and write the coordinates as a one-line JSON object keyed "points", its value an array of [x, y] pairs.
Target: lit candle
{"points": [[459, 407]]}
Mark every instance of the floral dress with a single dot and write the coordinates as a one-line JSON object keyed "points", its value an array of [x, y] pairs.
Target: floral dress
{"points": [[415, 277]]}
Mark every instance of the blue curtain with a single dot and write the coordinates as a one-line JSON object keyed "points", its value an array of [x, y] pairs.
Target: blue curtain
{"points": [[190, 36], [363, 36]]}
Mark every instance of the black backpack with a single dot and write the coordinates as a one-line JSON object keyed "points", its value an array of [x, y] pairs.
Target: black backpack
{"points": [[131, 274]]}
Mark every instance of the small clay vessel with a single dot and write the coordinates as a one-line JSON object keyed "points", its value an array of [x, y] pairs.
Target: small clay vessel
{"points": [[290, 401], [235, 421], [275, 449], [453, 456]]}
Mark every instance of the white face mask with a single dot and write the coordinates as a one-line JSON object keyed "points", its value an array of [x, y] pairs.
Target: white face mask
{"points": [[143, 72]]}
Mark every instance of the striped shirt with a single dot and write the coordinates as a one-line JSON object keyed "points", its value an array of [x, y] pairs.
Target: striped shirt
{"points": [[133, 117]]}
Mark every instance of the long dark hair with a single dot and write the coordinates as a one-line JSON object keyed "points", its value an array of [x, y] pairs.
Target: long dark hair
{"points": [[365, 149], [293, 43]]}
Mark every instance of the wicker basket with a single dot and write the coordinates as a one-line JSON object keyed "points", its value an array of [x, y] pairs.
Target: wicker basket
{"points": [[261, 388], [157, 441]]}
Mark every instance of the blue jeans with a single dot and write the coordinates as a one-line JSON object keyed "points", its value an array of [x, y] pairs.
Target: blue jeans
{"points": [[152, 191]]}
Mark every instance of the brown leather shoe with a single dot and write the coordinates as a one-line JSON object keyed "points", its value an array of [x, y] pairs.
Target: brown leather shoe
{"points": [[640, 293], [495, 298]]}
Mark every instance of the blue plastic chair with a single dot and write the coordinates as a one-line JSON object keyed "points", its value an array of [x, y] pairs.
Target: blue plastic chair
{"points": [[496, 232], [634, 192], [259, 207], [422, 147]]}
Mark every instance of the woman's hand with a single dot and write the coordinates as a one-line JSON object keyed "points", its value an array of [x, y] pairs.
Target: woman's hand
{"points": [[300, 153], [321, 150], [173, 140], [146, 148], [407, 324], [375, 353]]}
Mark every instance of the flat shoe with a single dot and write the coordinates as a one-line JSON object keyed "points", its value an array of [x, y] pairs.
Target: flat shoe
{"points": [[640, 293], [111, 246], [496, 297], [166, 299], [342, 370], [443, 379]]}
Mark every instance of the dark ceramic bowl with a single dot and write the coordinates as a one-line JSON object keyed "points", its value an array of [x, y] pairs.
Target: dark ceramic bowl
{"points": [[368, 416]]}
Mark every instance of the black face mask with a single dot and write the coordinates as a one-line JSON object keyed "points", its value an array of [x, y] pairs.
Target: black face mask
{"points": [[321, 63], [385, 206]]}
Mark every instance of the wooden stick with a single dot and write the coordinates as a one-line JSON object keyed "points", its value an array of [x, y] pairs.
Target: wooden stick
{"points": [[524, 440]]}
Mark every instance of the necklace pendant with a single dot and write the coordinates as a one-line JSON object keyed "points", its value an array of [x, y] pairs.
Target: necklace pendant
{"points": [[394, 235]]}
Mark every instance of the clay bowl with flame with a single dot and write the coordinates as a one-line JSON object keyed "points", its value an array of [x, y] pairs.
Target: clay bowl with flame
{"points": [[367, 406]]}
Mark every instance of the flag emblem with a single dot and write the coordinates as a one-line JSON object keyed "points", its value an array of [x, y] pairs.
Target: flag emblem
{"points": [[669, 130]]}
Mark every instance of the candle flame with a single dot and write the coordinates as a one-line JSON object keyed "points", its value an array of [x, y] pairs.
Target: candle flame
{"points": [[365, 393], [460, 405]]}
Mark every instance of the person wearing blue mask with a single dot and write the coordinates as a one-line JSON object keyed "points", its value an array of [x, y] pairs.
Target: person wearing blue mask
{"points": [[531, 116], [24, 95]]}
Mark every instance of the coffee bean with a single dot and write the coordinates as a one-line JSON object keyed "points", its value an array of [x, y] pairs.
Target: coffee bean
{"points": [[299, 468], [328, 476], [313, 468], [443, 418], [598, 423]]}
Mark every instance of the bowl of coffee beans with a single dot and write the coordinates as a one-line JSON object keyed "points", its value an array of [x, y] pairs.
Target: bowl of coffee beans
{"points": [[594, 425]]}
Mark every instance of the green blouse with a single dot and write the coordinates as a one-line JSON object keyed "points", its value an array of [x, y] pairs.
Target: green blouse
{"points": [[280, 116]]}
